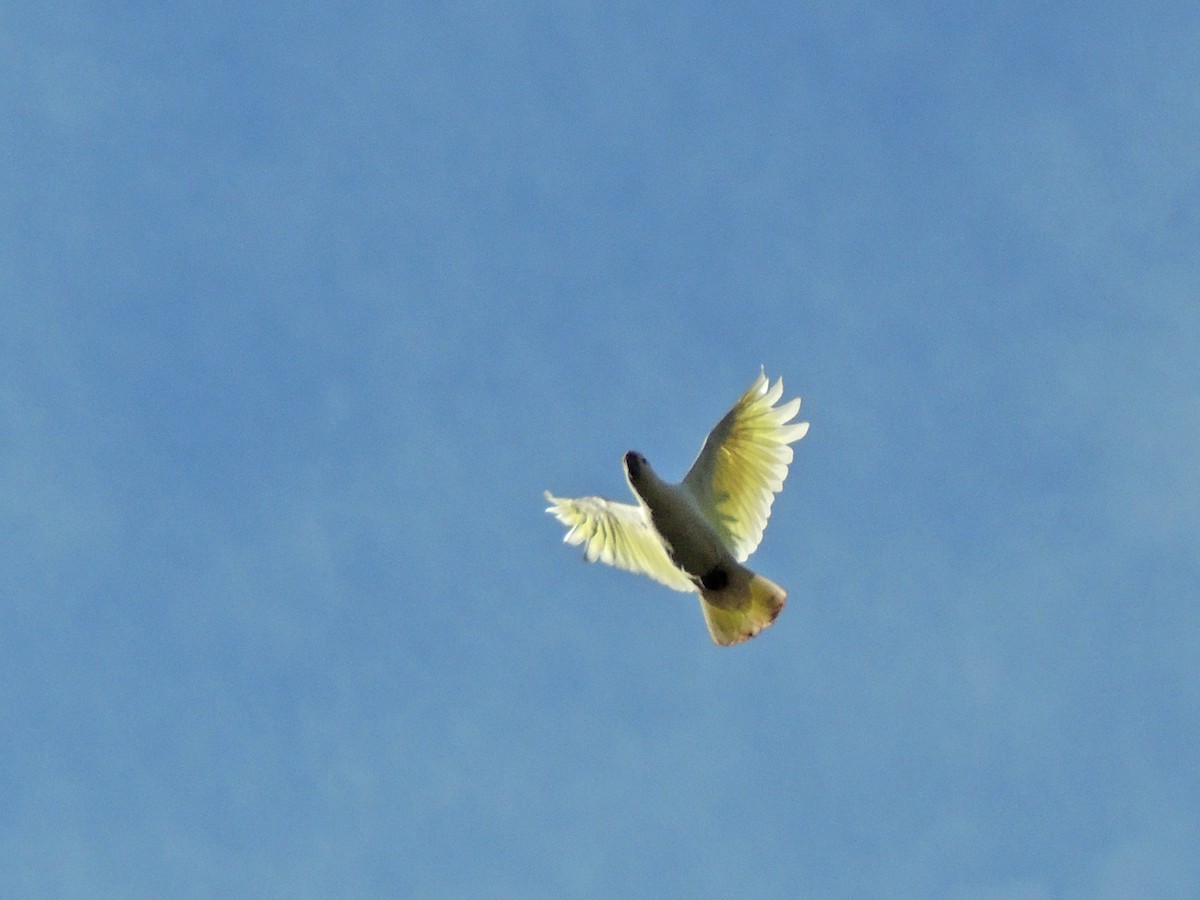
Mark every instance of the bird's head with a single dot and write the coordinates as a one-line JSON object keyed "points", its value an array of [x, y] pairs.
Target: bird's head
{"points": [[635, 465]]}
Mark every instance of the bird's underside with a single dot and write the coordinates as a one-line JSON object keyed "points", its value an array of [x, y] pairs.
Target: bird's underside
{"points": [[695, 535]]}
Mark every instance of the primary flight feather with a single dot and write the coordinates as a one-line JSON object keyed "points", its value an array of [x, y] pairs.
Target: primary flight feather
{"points": [[695, 535]]}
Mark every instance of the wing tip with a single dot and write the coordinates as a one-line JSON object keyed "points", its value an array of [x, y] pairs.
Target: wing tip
{"points": [[761, 384], [794, 432]]}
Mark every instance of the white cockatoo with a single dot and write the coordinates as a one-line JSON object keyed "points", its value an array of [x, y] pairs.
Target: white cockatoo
{"points": [[693, 536]]}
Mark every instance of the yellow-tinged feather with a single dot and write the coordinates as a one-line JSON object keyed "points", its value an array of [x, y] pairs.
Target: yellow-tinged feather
{"points": [[744, 463]]}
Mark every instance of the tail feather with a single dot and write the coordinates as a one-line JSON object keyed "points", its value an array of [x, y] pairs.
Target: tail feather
{"points": [[742, 608]]}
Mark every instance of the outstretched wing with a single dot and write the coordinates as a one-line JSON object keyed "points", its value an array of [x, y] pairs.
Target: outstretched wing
{"points": [[617, 534], [743, 463]]}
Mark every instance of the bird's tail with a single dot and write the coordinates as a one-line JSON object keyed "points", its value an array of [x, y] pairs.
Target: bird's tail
{"points": [[742, 608]]}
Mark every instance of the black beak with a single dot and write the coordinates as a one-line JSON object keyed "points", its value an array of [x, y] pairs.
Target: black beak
{"points": [[633, 465]]}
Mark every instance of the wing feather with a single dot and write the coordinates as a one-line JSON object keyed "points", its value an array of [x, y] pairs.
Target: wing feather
{"points": [[617, 534], [743, 464]]}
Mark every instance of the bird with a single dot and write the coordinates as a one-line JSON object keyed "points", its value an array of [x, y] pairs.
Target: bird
{"points": [[695, 535]]}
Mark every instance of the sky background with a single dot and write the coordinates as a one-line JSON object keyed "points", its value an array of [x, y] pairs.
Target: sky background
{"points": [[302, 306]]}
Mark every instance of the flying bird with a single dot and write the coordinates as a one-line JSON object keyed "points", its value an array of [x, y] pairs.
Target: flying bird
{"points": [[695, 535]]}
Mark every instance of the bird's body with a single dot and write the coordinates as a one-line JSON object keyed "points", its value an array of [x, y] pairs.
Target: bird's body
{"points": [[689, 540], [694, 536]]}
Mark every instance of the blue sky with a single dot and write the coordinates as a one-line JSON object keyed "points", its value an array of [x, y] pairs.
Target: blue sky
{"points": [[304, 305]]}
